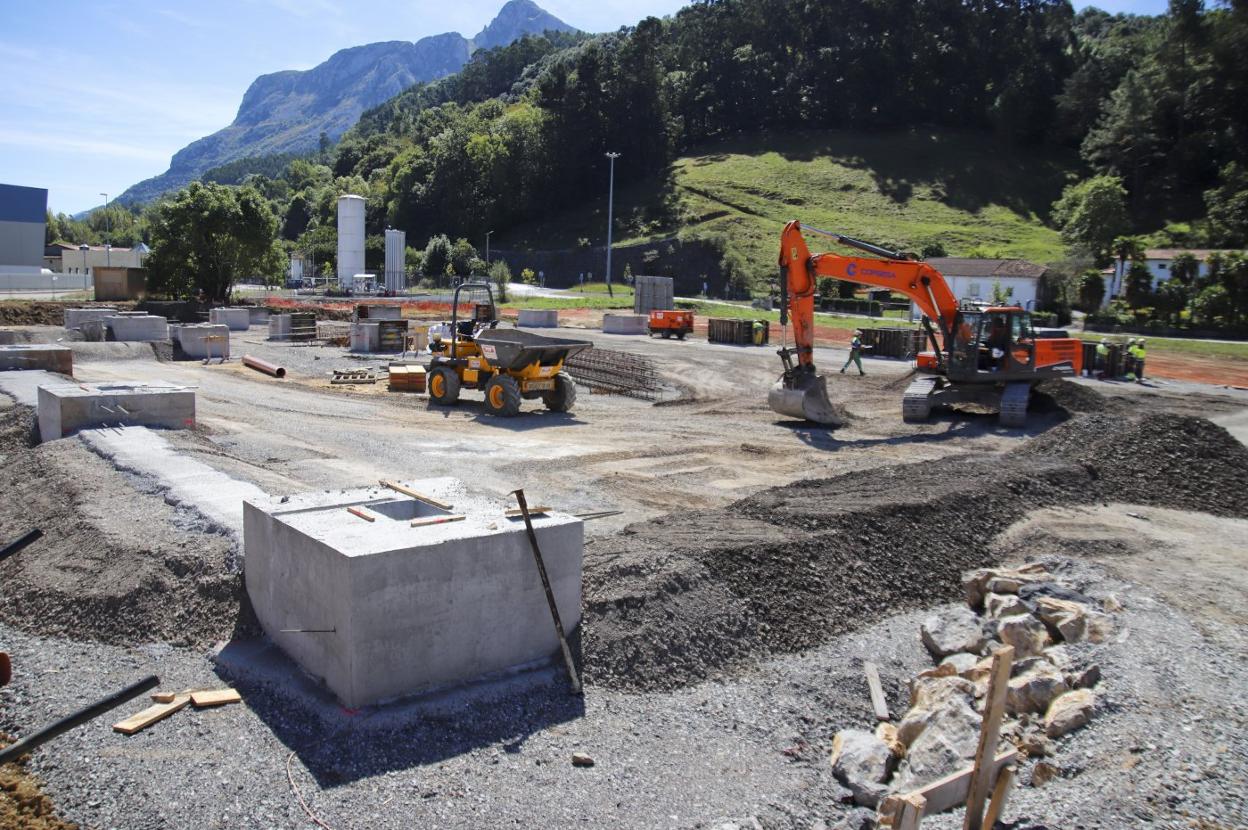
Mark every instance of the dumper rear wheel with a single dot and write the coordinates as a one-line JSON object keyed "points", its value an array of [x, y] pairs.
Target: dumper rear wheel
{"points": [[444, 387], [564, 396], [502, 396]]}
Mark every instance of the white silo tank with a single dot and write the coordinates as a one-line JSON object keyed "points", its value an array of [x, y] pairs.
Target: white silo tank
{"points": [[396, 260], [350, 238]]}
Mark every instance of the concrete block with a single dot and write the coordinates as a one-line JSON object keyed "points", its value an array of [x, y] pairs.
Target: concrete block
{"points": [[195, 343], [279, 326], [66, 408], [538, 318], [75, 317], [238, 319], [412, 608], [625, 324], [365, 336], [46, 356], [137, 327]]}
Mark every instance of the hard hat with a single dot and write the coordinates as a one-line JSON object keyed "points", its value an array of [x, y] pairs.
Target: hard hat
{"points": [[1104, 341], [1140, 341], [857, 331]]}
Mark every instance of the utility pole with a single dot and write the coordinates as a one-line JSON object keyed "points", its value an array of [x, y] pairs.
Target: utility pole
{"points": [[108, 233], [487, 250], [610, 217]]}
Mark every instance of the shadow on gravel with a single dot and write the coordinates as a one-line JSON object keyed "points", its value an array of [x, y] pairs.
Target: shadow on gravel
{"points": [[339, 746]]}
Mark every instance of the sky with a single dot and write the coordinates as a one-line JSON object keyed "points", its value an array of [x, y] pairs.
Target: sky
{"points": [[97, 95]]}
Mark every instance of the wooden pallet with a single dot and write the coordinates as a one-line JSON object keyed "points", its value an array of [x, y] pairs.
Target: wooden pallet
{"points": [[344, 376]]}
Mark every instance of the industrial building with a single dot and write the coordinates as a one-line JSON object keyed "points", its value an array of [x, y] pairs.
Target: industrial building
{"points": [[23, 215]]}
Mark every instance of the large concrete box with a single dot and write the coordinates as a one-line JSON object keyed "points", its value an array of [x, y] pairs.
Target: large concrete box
{"points": [[67, 408], [137, 327], [411, 609], [75, 317], [625, 324], [365, 337], [538, 318], [46, 356], [653, 294], [238, 319], [206, 340]]}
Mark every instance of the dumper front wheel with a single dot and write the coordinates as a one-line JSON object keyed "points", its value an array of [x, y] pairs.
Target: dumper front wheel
{"points": [[444, 387], [502, 396], [564, 396]]}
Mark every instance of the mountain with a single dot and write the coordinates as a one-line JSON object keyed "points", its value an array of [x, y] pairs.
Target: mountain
{"points": [[286, 112]]}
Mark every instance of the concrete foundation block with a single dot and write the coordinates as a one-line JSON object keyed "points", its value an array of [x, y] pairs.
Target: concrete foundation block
{"points": [[412, 609], [142, 328], [75, 317], [67, 408], [538, 318], [238, 319], [46, 356], [625, 324], [195, 343], [365, 336], [279, 326]]}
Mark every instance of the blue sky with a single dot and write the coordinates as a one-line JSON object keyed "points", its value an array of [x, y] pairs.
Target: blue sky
{"points": [[95, 96]]}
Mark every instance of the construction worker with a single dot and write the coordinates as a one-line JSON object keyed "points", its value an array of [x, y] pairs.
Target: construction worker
{"points": [[855, 352], [1139, 360], [1128, 360], [1102, 358], [759, 332]]}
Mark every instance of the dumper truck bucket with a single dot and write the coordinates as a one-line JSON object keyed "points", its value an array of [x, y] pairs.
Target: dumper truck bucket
{"points": [[806, 398]]}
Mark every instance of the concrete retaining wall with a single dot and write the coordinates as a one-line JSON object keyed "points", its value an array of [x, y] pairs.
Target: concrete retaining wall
{"points": [[238, 319], [624, 324], [195, 343], [413, 608], [67, 408], [45, 356], [138, 328], [537, 318], [75, 317]]}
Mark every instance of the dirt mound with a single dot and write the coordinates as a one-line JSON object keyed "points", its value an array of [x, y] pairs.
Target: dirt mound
{"points": [[1070, 397], [114, 564], [28, 313], [1167, 460], [23, 806]]}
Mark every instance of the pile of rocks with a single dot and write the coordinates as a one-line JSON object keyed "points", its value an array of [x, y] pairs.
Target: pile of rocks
{"points": [[1054, 631]]}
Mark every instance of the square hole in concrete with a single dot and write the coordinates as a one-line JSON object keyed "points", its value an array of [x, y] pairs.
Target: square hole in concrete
{"points": [[405, 509]]}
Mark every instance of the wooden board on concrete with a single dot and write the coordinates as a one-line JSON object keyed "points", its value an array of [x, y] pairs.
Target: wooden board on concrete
{"points": [[407, 491], [141, 720], [436, 520], [216, 697]]}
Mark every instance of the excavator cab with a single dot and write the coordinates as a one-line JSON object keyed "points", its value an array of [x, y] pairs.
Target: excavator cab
{"points": [[996, 341]]}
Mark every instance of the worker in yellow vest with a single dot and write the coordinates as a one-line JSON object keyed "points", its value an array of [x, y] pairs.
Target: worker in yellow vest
{"points": [[1102, 358], [1139, 360], [1128, 360]]}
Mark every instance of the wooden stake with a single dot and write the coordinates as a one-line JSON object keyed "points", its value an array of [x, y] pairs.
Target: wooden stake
{"points": [[437, 520], [1000, 795], [910, 813], [550, 595], [989, 734], [878, 703], [407, 491]]}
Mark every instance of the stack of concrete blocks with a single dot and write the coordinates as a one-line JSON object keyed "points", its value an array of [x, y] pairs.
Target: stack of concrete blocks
{"points": [[46, 356], [75, 317], [412, 607], [625, 324], [279, 326], [67, 408], [137, 327], [238, 319], [195, 341], [365, 336], [538, 318]]}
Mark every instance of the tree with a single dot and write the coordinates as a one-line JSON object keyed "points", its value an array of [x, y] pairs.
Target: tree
{"points": [[1228, 206], [1091, 289], [1139, 285], [1185, 269], [500, 275], [437, 256], [1092, 214], [1170, 299], [463, 256], [210, 235]]}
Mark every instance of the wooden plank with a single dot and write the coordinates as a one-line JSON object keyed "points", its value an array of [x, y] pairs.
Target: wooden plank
{"points": [[989, 735], [1000, 796], [951, 791], [168, 697], [533, 511], [362, 513], [913, 808], [141, 720], [878, 703], [215, 697], [436, 520], [407, 491]]}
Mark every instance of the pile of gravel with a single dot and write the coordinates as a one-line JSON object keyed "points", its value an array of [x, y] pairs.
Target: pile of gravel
{"points": [[114, 564], [1070, 397], [1161, 459]]}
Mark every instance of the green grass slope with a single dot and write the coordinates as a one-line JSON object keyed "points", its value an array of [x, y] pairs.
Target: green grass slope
{"points": [[966, 191]]}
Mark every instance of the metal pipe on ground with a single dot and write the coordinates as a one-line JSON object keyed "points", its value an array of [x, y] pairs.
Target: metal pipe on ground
{"points": [[13, 547], [78, 718], [264, 366]]}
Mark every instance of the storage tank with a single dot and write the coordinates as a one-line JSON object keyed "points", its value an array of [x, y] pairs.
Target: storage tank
{"points": [[350, 238], [396, 256]]}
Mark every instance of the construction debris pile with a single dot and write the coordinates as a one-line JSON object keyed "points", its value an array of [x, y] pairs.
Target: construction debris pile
{"points": [[1053, 631], [682, 598]]}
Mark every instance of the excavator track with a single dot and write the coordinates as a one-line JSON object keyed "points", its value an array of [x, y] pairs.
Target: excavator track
{"points": [[916, 403], [1014, 402]]}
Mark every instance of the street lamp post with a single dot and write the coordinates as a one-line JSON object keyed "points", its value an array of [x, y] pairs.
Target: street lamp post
{"points": [[610, 217], [84, 248], [487, 249], [108, 221]]}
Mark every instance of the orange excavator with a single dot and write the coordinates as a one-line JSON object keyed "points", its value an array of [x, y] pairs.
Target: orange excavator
{"points": [[984, 355]]}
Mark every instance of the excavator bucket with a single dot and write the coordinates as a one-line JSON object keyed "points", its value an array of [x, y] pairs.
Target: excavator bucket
{"points": [[807, 399]]}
